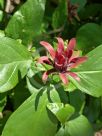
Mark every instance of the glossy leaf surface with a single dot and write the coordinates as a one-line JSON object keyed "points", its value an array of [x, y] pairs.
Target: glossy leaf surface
{"points": [[61, 111], [79, 126], [89, 36], [26, 22], [14, 63], [90, 73], [32, 117]]}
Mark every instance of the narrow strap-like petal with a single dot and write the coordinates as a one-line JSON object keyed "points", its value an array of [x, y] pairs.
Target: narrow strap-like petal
{"points": [[63, 78], [70, 47], [60, 47], [49, 48], [46, 74], [44, 59], [74, 75], [74, 55], [78, 61], [71, 44], [68, 53]]}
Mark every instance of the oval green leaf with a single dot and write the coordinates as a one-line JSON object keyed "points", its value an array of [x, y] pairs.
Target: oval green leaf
{"points": [[89, 36], [90, 73], [14, 63], [79, 126], [61, 111], [26, 22], [32, 118]]}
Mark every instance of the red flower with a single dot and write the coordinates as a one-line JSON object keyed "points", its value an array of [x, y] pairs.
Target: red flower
{"points": [[62, 60]]}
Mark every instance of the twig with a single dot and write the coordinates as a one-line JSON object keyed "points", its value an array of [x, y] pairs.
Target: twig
{"points": [[56, 30]]}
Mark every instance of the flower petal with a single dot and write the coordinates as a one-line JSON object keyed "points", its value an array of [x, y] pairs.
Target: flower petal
{"points": [[78, 61], [49, 48], [44, 59], [63, 78], [71, 44], [58, 67], [60, 47], [46, 74], [74, 55], [60, 59], [74, 75], [70, 47], [68, 53]]}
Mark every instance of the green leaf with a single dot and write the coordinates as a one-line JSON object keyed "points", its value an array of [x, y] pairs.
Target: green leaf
{"points": [[2, 4], [32, 118], [77, 100], [93, 106], [91, 11], [79, 126], [26, 22], [34, 79], [2, 34], [19, 94], [90, 73], [2, 101], [3, 119], [1, 15], [60, 15], [89, 36], [61, 111], [61, 132], [14, 63]]}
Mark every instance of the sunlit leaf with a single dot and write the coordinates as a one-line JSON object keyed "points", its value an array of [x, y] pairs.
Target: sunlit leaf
{"points": [[14, 63], [90, 73], [32, 116], [61, 111], [26, 22]]}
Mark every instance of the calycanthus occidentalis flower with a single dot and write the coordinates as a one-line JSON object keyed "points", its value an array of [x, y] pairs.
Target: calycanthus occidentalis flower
{"points": [[62, 60]]}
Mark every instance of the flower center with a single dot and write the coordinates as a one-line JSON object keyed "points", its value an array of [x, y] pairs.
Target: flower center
{"points": [[60, 63]]}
